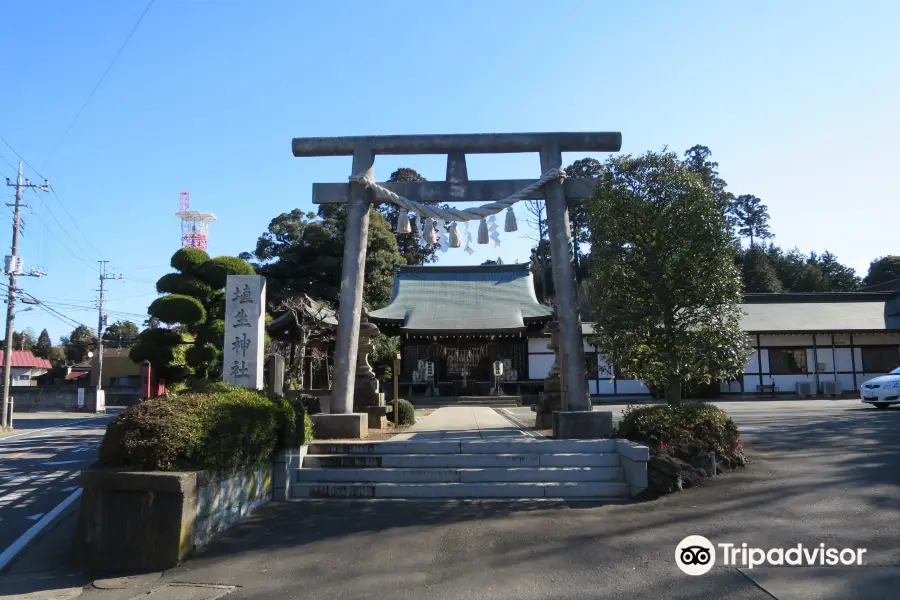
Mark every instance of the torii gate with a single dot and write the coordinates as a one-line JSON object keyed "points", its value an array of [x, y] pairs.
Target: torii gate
{"points": [[360, 194]]}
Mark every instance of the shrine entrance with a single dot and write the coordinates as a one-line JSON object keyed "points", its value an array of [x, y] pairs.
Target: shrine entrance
{"points": [[467, 363]]}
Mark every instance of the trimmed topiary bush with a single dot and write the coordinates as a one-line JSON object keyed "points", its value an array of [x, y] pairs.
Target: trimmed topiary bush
{"points": [[188, 260], [186, 285], [215, 271], [176, 308], [407, 412], [226, 429]]}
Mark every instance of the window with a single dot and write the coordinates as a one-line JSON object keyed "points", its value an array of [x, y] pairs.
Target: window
{"points": [[590, 363], [880, 359], [787, 361]]}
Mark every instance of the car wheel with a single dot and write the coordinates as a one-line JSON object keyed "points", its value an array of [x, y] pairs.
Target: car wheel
{"points": [[880, 404]]}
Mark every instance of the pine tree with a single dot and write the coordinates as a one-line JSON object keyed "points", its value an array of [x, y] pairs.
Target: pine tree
{"points": [[758, 273], [43, 345]]}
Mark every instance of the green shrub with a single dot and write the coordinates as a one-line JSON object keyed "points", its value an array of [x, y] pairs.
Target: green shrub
{"points": [[188, 260], [197, 430], [699, 427], [407, 412], [177, 309], [216, 270], [297, 426], [186, 285]]}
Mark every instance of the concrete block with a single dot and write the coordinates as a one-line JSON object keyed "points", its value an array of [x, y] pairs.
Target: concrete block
{"points": [[428, 461], [384, 448], [377, 416], [582, 424], [610, 459], [635, 472], [542, 474], [338, 426], [590, 489], [632, 450], [537, 446], [387, 475], [459, 490]]}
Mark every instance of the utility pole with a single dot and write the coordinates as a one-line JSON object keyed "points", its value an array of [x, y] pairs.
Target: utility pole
{"points": [[101, 323], [13, 270]]}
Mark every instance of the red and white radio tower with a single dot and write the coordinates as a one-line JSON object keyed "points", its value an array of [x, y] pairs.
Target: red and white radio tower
{"points": [[194, 224]]}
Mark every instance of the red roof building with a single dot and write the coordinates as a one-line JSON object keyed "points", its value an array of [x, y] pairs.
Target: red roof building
{"points": [[26, 360]]}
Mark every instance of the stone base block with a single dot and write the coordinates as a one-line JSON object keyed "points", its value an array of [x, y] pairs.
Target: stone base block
{"points": [[352, 426], [582, 424], [377, 417]]}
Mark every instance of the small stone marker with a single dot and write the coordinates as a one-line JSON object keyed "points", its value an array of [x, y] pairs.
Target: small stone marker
{"points": [[245, 300], [275, 375]]}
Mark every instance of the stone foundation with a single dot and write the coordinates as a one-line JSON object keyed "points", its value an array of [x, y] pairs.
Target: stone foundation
{"points": [[353, 426], [582, 424]]}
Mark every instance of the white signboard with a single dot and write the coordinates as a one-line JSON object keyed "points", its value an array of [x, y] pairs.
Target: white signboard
{"points": [[245, 315], [101, 401], [498, 368], [80, 398]]}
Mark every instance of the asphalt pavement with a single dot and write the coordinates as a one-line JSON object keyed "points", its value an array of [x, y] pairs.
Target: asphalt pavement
{"points": [[40, 463]]}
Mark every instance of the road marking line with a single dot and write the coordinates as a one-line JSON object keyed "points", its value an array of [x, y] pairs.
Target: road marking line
{"points": [[20, 544], [54, 463], [7, 437]]}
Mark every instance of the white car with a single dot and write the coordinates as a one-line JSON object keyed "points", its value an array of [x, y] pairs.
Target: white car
{"points": [[882, 391]]}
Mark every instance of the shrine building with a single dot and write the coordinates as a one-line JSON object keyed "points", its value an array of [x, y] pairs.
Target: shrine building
{"points": [[464, 318]]}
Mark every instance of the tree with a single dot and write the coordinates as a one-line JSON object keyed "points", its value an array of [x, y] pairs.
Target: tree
{"points": [[584, 168], [121, 334], [883, 270], [152, 323], [697, 159], [302, 253], [840, 278], [193, 307], [411, 246], [24, 340], [758, 274], [309, 321], [752, 218], [78, 343], [536, 211], [656, 226], [43, 345], [541, 270]]}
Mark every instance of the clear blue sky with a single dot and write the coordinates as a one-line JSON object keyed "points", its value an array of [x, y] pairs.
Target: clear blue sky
{"points": [[797, 100]]}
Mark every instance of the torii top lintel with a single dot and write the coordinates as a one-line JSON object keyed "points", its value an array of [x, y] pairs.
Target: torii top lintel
{"points": [[457, 188], [468, 143]]}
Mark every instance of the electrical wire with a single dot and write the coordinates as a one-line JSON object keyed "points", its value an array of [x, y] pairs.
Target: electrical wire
{"points": [[86, 253], [99, 81]]}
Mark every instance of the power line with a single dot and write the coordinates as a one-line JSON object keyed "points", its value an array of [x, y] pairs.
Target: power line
{"points": [[100, 81], [53, 233], [28, 164], [86, 253]]}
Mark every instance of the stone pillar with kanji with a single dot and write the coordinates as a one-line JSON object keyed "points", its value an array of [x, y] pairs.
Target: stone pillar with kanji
{"points": [[245, 316]]}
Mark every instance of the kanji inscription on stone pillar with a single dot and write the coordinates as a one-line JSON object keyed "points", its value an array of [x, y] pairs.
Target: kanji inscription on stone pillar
{"points": [[245, 316]]}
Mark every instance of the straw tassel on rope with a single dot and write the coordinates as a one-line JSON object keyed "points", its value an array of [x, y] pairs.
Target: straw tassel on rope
{"points": [[483, 232], [403, 222], [455, 242], [429, 232], [510, 221]]}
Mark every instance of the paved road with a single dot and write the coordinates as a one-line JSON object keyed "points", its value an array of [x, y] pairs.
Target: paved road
{"points": [[758, 416], [39, 466], [822, 472]]}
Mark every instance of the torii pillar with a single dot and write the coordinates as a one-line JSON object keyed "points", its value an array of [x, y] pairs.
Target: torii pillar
{"points": [[342, 422]]}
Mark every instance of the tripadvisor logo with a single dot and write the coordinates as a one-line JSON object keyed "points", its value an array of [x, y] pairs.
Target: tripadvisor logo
{"points": [[696, 555]]}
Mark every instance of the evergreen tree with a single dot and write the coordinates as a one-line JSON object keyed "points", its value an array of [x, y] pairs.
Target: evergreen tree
{"points": [[43, 345], [759, 275]]}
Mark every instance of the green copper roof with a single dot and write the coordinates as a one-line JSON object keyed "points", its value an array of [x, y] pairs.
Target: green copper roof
{"points": [[492, 297]]}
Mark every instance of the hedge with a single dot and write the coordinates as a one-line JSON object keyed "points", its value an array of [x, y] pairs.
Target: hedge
{"points": [[407, 412], [696, 426], [218, 428]]}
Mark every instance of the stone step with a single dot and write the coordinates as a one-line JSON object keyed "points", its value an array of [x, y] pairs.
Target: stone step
{"points": [[461, 461], [523, 445], [445, 475], [457, 491]]}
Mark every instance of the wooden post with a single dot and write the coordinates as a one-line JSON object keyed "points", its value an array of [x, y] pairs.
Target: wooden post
{"points": [[353, 273], [571, 340], [396, 390]]}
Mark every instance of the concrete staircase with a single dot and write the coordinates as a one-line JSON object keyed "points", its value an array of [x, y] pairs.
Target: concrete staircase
{"points": [[488, 401], [517, 468]]}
